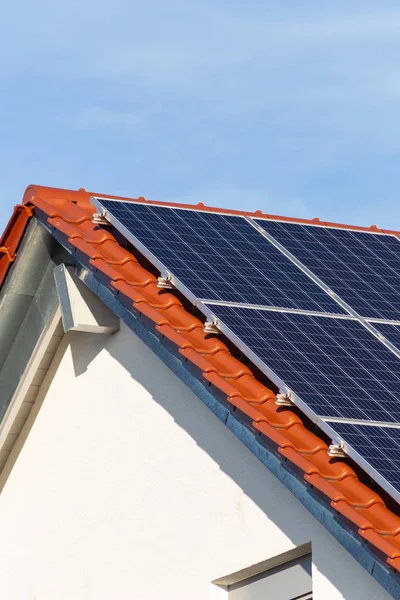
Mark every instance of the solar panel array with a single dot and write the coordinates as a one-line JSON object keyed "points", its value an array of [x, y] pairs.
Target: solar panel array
{"points": [[297, 300]]}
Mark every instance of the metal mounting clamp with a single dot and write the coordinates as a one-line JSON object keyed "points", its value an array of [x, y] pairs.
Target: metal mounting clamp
{"points": [[284, 399], [211, 326], [337, 450], [100, 219], [165, 282]]}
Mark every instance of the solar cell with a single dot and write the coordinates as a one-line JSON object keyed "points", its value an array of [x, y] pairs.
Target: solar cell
{"points": [[379, 446], [362, 268], [334, 365], [219, 257]]}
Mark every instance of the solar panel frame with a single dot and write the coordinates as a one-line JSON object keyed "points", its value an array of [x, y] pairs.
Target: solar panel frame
{"points": [[336, 430], [315, 302]]}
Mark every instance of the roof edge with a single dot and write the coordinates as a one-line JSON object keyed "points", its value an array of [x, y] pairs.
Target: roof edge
{"points": [[82, 198], [12, 236]]}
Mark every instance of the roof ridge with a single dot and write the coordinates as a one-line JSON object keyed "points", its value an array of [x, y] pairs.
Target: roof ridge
{"points": [[257, 214], [100, 251]]}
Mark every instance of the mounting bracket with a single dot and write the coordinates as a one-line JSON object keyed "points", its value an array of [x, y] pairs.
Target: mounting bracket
{"points": [[284, 399]]}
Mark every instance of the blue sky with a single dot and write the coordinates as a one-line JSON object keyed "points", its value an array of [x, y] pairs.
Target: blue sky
{"points": [[288, 107]]}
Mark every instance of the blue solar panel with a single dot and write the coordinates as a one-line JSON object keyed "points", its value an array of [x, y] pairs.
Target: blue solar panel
{"points": [[362, 268], [220, 257], [379, 446], [335, 366]]}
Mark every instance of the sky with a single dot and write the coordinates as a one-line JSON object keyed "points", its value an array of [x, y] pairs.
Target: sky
{"points": [[289, 107]]}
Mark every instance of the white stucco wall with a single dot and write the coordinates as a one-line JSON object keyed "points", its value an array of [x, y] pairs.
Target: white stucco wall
{"points": [[128, 487]]}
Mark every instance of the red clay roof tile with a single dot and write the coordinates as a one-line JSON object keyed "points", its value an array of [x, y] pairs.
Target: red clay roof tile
{"points": [[70, 213], [11, 237]]}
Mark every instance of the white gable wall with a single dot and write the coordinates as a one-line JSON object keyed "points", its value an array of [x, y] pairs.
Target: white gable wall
{"points": [[128, 487]]}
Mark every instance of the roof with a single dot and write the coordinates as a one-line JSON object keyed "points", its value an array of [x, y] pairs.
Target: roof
{"points": [[68, 214]]}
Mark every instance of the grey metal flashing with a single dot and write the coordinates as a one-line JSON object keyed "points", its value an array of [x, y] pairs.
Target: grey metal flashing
{"points": [[27, 301], [22, 283], [279, 466], [81, 310]]}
